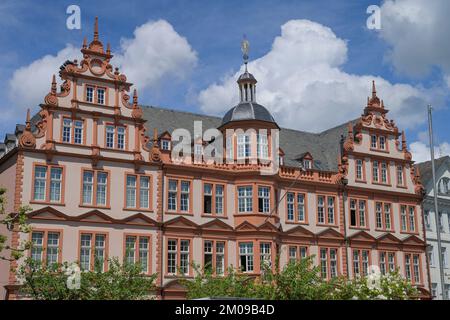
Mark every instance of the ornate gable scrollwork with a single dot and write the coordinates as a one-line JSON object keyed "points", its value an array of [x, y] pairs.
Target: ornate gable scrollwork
{"points": [[27, 139], [349, 142], [136, 113], [415, 176], [51, 98], [155, 153]]}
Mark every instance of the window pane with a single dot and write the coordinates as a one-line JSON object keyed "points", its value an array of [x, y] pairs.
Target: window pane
{"points": [[131, 191], [144, 196], [88, 182], [101, 188], [40, 178], [55, 184]]}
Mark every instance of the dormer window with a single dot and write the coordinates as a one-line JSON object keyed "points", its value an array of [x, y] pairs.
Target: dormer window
{"points": [[382, 141], [198, 149], [307, 164], [165, 144], [263, 146], [243, 145], [101, 96], [378, 143], [89, 94], [444, 186]]}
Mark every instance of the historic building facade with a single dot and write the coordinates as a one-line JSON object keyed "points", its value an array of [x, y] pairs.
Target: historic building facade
{"points": [[442, 166], [99, 187]]}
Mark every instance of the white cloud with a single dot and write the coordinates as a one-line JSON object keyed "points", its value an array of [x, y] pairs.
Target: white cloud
{"points": [[301, 82], [421, 151], [155, 53], [417, 32]]}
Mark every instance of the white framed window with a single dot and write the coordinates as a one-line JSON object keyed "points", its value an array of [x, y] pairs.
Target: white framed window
{"points": [[400, 174], [426, 217], [430, 255], [444, 257], [330, 210], [144, 253], [78, 132], [263, 146], [131, 191], [40, 180], [382, 141], [184, 195], [172, 256], [99, 253], [89, 94], [52, 248], [99, 179], [121, 138], [55, 184], [220, 257], [301, 207], [290, 201], [130, 247], [384, 174], [412, 219], [379, 214], [219, 189], [359, 169], [321, 209], [110, 136], [184, 256], [144, 192], [246, 256], [307, 164], [245, 199], [88, 186], [37, 239], [172, 196], [265, 255], [263, 199], [85, 252], [165, 144], [102, 186], [373, 141], [243, 145], [100, 95], [67, 130], [375, 171], [387, 216]]}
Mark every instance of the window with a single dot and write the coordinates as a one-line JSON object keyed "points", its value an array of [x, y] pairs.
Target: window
{"points": [[307, 164], [48, 183], [412, 268], [165, 144], [115, 137], [400, 174], [328, 262], [444, 186], [213, 198], [378, 143], [444, 256], [359, 169], [246, 256], [387, 262], [263, 199], [430, 255], [373, 142], [434, 290], [441, 224], [383, 216], [263, 146], [245, 199], [214, 256], [45, 247], [72, 131], [426, 217], [89, 94], [384, 174], [179, 195], [137, 191], [93, 251], [297, 252], [178, 260], [382, 141], [137, 251], [360, 262], [100, 95], [375, 175], [357, 213], [296, 207], [408, 218], [265, 259], [243, 145], [325, 209], [95, 188]]}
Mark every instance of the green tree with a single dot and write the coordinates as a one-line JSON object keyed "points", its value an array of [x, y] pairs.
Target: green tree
{"points": [[297, 281], [18, 221], [120, 282]]}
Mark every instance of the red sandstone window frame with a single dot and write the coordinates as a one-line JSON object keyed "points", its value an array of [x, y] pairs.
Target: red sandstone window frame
{"points": [[297, 250], [335, 213], [191, 186], [358, 217], [363, 170], [95, 95], [116, 135], [360, 261], [305, 204], [138, 236], [213, 213], [412, 280], [387, 252], [72, 130], [388, 172], [45, 233], [191, 254], [214, 255], [408, 227], [383, 216], [255, 202], [338, 263], [256, 254], [47, 184], [94, 204], [138, 207], [93, 234]]}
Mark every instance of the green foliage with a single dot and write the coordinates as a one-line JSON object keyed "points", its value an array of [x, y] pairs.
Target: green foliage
{"points": [[120, 282], [297, 281], [19, 222]]}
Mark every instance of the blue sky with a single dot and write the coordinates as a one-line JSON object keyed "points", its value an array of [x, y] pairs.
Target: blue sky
{"points": [[30, 30]]}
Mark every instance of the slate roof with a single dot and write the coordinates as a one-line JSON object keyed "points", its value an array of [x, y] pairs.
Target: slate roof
{"points": [[248, 111], [324, 147], [426, 174]]}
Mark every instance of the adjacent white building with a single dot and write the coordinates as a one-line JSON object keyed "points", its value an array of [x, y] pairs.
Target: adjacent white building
{"points": [[443, 179]]}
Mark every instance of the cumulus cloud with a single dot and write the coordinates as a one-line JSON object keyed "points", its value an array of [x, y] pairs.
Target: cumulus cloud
{"points": [[417, 33], [155, 53], [421, 151], [302, 83]]}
